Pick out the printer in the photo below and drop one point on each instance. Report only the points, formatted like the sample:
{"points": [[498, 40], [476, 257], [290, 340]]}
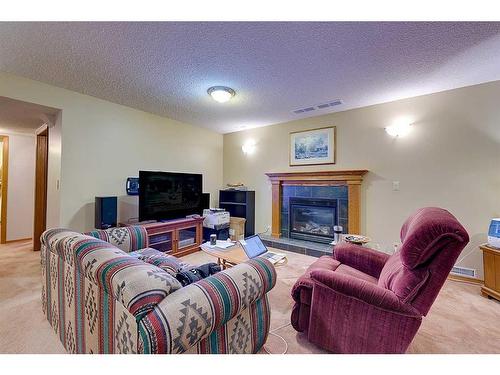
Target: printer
{"points": [[215, 221], [215, 218]]}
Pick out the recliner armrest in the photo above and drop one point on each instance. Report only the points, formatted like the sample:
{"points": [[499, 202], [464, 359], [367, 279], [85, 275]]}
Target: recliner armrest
{"points": [[362, 258], [362, 290]]}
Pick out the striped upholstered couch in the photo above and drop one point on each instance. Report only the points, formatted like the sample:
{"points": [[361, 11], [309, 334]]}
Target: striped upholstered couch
{"points": [[102, 298]]}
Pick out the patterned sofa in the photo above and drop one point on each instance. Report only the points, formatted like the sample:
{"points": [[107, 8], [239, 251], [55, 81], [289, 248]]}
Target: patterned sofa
{"points": [[102, 298]]}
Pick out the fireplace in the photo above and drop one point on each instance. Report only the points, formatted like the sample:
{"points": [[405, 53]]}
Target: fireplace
{"points": [[312, 219]]}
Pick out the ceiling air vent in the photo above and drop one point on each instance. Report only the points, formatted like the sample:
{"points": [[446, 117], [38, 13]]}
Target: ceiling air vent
{"points": [[333, 103], [302, 110]]}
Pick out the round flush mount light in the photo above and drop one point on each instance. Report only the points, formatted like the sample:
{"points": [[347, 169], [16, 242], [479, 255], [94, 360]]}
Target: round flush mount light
{"points": [[221, 94]]}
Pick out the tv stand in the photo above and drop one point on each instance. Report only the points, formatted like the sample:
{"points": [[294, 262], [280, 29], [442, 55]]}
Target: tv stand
{"points": [[177, 237]]}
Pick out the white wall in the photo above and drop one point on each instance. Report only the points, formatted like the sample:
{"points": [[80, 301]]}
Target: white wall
{"points": [[104, 143], [21, 186], [451, 159], [54, 173]]}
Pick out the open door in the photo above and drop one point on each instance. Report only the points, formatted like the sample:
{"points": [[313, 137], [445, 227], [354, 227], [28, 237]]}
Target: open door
{"points": [[42, 157]]}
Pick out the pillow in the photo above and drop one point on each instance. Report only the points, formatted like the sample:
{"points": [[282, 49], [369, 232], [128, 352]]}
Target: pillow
{"points": [[168, 263]]}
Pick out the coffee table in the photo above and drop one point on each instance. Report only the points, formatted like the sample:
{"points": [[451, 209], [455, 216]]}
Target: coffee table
{"points": [[228, 257], [231, 256]]}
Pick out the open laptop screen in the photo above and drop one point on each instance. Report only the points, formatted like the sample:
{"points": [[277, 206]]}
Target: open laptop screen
{"points": [[253, 246]]}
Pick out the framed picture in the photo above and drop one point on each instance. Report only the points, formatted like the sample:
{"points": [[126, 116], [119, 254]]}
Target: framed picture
{"points": [[313, 147]]}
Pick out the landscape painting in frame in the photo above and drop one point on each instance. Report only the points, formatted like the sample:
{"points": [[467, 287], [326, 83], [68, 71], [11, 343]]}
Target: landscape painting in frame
{"points": [[312, 147]]}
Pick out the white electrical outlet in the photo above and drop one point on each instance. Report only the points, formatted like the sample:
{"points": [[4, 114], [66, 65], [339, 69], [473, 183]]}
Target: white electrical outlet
{"points": [[395, 185]]}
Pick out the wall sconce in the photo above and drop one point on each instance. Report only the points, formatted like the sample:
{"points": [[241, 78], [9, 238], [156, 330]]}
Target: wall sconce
{"points": [[399, 128], [248, 147]]}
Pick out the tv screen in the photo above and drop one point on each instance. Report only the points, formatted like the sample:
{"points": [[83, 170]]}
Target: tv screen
{"points": [[167, 195]]}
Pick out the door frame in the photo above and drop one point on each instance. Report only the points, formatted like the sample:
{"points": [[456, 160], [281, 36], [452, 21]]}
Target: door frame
{"points": [[41, 177], [5, 185]]}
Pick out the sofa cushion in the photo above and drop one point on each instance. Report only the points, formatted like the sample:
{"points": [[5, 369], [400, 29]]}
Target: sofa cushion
{"points": [[426, 232], [128, 239], [166, 262], [401, 280]]}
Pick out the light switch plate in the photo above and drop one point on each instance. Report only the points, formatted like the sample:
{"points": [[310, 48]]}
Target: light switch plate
{"points": [[395, 185]]}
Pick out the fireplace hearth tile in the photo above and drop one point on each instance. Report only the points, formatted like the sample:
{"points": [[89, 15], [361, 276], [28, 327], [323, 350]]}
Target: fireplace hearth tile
{"points": [[297, 246], [316, 253]]}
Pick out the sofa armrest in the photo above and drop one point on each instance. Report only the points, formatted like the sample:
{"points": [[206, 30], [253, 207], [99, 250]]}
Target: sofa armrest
{"points": [[192, 313], [130, 238], [362, 258], [362, 290]]}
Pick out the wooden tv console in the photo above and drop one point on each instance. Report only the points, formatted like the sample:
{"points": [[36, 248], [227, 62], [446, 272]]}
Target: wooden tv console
{"points": [[176, 237]]}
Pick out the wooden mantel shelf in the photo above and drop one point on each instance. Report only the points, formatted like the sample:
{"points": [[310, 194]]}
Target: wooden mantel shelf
{"points": [[351, 178], [346, 175]]}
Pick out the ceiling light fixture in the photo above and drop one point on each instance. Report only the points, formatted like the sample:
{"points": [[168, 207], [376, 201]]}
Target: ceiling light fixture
{"points": [[221, 94]]}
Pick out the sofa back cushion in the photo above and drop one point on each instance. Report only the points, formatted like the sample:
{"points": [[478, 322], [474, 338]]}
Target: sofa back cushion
{"points": [[128, 239]]}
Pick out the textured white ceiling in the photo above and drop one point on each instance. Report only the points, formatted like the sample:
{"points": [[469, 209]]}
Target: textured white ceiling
{"points": [[22, 117], [166, 68]]}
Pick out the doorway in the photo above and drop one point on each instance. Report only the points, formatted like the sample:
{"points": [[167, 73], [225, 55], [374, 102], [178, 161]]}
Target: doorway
{"points": [[4, 175], [41, 168]]}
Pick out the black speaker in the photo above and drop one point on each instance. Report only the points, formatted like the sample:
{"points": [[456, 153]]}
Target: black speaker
{"points": [[205, 202], [105, 212]]}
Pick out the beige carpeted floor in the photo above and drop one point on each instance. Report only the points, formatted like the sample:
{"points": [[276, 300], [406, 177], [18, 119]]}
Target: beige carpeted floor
{"points": [[460, 321]]}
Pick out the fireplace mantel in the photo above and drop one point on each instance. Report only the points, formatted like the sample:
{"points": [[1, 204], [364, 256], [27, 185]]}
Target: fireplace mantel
{"points": [[351, 178]]}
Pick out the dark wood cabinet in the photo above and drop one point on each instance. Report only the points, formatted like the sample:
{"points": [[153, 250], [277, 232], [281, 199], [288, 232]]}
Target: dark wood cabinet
{"points": [[240, 203]]}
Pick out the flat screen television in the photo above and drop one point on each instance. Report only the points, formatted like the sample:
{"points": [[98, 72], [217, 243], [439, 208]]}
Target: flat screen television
{"points": [[167, 195]]}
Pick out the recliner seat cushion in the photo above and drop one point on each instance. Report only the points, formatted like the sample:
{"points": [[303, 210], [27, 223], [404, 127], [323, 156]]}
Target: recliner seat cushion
{"points": [[347, 270]]}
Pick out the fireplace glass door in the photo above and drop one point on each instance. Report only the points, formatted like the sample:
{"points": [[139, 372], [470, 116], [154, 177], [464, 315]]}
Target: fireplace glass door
{"points": [[312, 219]]}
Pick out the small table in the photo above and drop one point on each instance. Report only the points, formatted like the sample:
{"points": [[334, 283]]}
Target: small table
{"points": [[491, 262], [228, 257]]}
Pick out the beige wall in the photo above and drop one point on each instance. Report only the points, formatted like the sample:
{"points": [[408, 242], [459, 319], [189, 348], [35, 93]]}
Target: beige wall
{"points": [[451, 159], [21, 186], [104, 143]]}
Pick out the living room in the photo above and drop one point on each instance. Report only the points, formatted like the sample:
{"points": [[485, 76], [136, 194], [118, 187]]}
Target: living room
{"points": [[351, 166]]}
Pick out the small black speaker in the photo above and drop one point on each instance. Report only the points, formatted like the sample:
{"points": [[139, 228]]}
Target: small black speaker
{"points": [[205, 201], [105, 212]]}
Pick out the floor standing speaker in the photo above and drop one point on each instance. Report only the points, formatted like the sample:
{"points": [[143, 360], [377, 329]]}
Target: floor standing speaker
{"points": [[105, 212], [205, 202]]}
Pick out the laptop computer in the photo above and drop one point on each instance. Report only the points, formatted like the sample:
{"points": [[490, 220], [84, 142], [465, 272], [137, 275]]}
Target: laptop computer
{"points": [[254, 247]]}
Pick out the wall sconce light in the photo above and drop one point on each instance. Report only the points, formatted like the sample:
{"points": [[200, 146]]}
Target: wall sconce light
{"points": [[248, 147], [399, 128]]}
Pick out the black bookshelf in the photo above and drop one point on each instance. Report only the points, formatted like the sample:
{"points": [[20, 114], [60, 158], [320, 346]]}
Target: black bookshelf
{"points": [[240, 204]]}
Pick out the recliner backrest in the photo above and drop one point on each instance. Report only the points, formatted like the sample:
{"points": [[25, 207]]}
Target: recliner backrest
{"points": [[432, 239]]}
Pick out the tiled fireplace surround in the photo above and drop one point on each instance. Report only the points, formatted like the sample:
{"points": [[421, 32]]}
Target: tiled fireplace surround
{"points": [[343, 187]]}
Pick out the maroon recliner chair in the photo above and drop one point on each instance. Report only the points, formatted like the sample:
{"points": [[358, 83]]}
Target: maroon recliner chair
{"points": [[364, 301]]}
